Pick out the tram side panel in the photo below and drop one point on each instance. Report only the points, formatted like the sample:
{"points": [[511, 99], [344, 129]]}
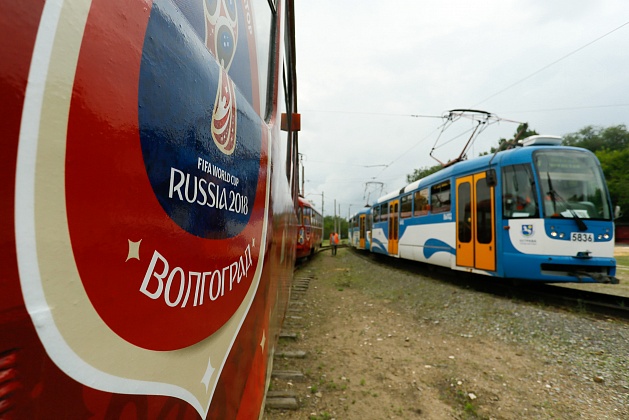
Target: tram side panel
{"points": [[428, 239], [146, 267]]}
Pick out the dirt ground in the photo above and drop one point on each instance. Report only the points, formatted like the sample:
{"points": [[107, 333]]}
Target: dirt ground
{"points": [[384, 343]]}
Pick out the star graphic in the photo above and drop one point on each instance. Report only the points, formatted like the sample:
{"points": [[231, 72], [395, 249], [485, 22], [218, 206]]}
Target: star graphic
{"points": [[134, 250], [208, 375], [263, 340]]}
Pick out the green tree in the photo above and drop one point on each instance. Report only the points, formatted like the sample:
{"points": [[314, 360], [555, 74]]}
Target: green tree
{"points": [[597, 138], [616, 170], [521, 133], [422, 173], [328, 227], [611, 146]]}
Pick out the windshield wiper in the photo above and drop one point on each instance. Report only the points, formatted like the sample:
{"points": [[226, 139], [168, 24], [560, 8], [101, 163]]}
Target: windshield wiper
{"points": [[554, 195]]}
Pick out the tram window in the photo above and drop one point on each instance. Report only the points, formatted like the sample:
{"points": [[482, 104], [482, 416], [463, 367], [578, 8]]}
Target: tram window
{"points": [[376, 214], [307, 215], [440, 197], [384, 212], [421, 202], [263, 25], [484, 233], [406, 206], [571, 184], [519, 199], [464, 217]]}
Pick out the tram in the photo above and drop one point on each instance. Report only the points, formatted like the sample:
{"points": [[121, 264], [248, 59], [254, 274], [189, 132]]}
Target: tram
{"points": [[359, 230], [309, 229], [148, 205], [539, 212]]}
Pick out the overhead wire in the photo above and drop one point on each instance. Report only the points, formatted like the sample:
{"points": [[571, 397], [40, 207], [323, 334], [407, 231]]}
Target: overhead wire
{"points": [[326, 162], [552, 63], [385, 166], [570, 108], [382, 114]]}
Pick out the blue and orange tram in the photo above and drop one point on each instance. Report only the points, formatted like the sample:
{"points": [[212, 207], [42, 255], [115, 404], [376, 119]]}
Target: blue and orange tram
{"points": [[309, 229], [148, 212], [538, 212], [359, 230]]}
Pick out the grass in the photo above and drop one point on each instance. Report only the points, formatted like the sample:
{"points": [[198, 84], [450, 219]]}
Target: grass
{"points": [[322, 416], [457, 398], [622, 260]]}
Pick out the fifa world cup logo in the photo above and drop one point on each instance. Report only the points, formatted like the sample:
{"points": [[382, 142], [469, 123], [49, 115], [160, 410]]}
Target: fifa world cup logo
{"points": [[221, 37]]}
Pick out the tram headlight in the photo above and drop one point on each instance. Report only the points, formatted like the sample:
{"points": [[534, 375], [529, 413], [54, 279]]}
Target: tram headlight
{"points": [[553, 234], [561, 235], [606, 236]]}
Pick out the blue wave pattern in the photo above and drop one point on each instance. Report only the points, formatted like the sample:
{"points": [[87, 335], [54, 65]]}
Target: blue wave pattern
{"points": [[432, 246]]}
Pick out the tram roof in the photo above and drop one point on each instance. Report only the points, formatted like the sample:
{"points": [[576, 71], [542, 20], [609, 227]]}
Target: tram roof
{"points": [[510, 156], [364, 210]]}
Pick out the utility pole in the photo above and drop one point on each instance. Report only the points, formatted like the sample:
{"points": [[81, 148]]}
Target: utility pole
{"points": [[339, 213], [349, 214], [335, 216]]}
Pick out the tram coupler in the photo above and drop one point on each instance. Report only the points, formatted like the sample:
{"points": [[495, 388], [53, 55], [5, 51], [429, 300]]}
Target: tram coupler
{"points": [[597, 277]]}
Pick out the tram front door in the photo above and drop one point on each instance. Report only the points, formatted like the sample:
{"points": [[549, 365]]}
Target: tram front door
{"points": [[475, 227]]}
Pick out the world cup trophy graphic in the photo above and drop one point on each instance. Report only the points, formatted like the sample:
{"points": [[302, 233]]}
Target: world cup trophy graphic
{"points": [[221, 37]]}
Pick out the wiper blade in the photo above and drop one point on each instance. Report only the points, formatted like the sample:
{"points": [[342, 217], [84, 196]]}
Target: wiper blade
{"points": [[554, 195], [552, 192]]}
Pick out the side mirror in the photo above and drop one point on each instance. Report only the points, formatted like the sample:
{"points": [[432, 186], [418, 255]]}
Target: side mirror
{"points": [[617, 212], [490, 178]]}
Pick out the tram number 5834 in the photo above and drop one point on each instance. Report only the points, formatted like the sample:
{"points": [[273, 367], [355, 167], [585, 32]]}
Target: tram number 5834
{"points": [[581, 237]]}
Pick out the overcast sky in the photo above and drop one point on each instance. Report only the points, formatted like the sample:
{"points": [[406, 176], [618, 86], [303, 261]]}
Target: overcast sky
{"points": [[373, 74]]}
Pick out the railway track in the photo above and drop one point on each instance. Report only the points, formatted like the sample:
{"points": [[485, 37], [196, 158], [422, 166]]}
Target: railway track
{"points": [[587, 301], [602, 304]]}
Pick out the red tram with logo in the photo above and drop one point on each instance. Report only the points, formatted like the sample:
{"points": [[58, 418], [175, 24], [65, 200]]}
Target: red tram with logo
{"points": [[148, 205], [309, 229]]}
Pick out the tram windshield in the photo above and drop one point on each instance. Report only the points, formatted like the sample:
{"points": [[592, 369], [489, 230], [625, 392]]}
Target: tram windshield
{"points": [[572, 185]]}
